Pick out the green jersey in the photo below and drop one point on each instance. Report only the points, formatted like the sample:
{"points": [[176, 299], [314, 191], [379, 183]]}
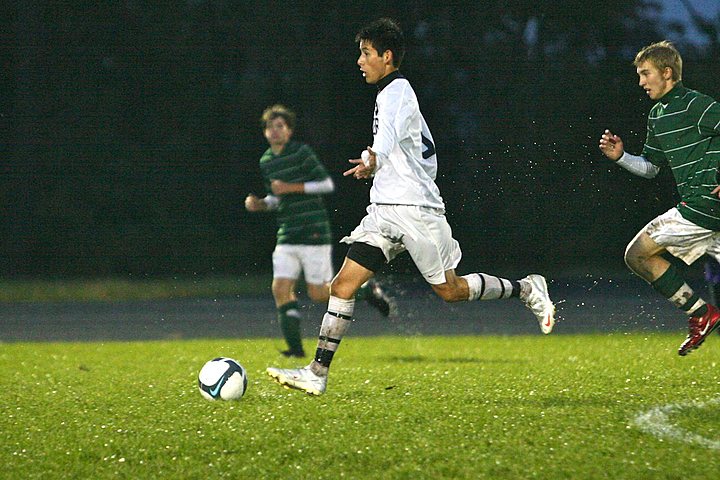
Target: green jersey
{"points": [[684, 134], [302, 219]]}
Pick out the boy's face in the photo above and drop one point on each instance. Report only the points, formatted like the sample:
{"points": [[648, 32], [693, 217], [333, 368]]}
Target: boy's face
{"points": [[277, 132], [654, 81], [373, 65]]}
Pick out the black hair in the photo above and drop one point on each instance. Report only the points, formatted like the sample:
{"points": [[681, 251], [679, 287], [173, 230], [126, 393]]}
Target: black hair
{"points": [[384, 34]]}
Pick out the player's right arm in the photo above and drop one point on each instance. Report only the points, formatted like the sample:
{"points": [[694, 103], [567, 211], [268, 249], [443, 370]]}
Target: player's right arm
{"points": [[254, 203], [612, 147]]}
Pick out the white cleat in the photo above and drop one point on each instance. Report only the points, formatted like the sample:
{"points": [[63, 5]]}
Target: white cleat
{"points": [[299, 378], [538, 301]]}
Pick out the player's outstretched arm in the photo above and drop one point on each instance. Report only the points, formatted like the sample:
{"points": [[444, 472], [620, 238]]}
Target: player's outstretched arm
{"points": [[611, 146]]}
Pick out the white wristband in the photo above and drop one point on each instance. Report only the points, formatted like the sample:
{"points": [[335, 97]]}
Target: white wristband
{"points": [[271, 201], [638, 165], [319, 186]]}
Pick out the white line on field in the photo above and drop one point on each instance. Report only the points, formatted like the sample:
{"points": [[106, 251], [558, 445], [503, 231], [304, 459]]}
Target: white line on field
{"points": [[657, 422]]}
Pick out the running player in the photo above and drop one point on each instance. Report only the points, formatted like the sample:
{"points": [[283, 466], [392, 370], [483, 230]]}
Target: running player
{"points": [[296, 181], [406, 213], [683, 133]]}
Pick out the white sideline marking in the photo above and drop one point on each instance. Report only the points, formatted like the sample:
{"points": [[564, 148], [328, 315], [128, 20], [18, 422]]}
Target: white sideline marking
{"points": [[657, 422]]}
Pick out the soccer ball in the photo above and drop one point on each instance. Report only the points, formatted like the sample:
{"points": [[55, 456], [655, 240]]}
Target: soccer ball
{"points": [[222, 379]]}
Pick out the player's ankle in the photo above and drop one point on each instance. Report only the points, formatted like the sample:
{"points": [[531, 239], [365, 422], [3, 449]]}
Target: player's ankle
{"points": [[318, 369]]}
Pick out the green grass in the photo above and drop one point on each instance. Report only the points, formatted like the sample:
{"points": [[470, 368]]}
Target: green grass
{"points": [[112, 289], [397, 407]]}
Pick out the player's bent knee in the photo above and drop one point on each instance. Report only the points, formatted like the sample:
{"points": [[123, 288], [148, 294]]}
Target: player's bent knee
{"points": [[342, 289], [634, 258], [280, 291]]}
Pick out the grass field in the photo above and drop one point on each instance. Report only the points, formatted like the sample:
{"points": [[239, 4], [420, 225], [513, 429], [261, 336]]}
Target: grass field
{"points": [[581, 407]]}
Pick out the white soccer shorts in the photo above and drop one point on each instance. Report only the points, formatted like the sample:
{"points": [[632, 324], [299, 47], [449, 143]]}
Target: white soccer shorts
{"points": [[314, 260], [422, 231], [683, 238]]}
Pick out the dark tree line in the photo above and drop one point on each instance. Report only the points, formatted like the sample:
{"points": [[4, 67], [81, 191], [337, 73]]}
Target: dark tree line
{"points": [[131, 131]]}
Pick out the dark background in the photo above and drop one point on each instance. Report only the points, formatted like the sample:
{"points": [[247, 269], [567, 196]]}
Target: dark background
{"points": [[131, 135]]}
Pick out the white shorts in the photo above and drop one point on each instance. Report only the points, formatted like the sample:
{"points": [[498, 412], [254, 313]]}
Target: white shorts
{"points": [[422, 231], [683, 238], [314, 260]]}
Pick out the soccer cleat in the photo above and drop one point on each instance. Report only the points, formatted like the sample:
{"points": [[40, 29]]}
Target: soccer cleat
{"points": [[700, 328], [379, 299], [293, 353], [538, 301], [300, 379]]}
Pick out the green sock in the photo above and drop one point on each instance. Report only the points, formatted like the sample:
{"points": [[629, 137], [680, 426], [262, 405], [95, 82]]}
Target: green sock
{"points": [[672, 286], [289, 317]]}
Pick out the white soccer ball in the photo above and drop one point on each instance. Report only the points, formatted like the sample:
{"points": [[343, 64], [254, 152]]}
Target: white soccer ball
{"points": [[222, 379]]}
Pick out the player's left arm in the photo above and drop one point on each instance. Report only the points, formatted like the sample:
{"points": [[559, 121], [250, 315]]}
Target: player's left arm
{"points": [[321, 183], [708, 123], [708, 114], [317, 187]]}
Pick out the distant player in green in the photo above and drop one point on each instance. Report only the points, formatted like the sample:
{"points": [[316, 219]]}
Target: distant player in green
{"points": [[295, 181], [683, 133]]}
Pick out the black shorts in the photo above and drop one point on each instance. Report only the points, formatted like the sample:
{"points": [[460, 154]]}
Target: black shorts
{"points": [[366, 255]]}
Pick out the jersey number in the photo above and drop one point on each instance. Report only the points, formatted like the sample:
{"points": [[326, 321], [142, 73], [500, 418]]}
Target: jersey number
{"points": [[430, 150]]}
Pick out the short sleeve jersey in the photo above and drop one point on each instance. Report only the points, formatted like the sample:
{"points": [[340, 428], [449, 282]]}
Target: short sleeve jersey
{"points": [[683, 134], [302, 219]]}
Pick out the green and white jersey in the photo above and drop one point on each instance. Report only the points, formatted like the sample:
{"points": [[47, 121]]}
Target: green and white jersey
{"points": [[302, 218], [684, 134]]}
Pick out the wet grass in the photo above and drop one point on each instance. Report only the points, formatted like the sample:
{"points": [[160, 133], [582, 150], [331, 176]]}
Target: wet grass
{"points": [[396, 407]]}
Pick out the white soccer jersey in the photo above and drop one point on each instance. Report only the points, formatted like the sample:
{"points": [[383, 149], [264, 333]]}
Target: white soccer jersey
{"points": [[404, 148]]}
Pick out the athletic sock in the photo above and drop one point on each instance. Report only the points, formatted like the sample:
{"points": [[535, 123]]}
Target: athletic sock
{"points": [[334, 325], [487, 287], [672, 286], [289, 317]]}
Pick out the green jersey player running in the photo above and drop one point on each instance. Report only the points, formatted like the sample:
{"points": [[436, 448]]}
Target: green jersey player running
{"points": [[406, 213], [295, 181], [683, 133]]}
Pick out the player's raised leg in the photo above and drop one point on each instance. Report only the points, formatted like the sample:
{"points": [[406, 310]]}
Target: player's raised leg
{"points": [[531, 290]]}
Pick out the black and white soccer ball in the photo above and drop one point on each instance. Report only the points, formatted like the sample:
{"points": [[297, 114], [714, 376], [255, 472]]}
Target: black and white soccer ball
{"points": [[222, 379]]}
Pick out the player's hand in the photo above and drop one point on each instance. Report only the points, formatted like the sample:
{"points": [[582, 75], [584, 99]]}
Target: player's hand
{"points": [[611, 145], [716, 191], [360, 170], [254, 204]]}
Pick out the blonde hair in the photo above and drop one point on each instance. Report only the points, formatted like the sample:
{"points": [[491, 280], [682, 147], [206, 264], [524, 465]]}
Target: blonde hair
{"points": [[275, 111], [663, 55]]}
